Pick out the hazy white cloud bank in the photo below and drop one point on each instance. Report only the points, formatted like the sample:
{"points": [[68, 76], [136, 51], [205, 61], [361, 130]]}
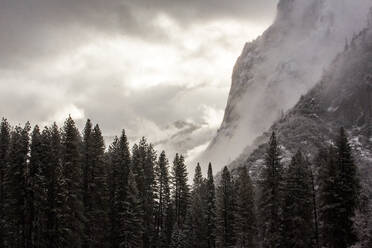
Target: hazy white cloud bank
{"points": [[152, 68]]}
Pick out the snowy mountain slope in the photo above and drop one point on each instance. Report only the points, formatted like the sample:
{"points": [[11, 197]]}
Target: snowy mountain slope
{"points": [[285, 62], [342, 98]]}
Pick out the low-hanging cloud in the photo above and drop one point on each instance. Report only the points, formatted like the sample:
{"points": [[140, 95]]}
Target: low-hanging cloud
{"points": [[157, 68]]}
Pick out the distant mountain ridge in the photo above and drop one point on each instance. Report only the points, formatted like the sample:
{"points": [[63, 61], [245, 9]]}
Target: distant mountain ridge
{"points": [[276, 69]]}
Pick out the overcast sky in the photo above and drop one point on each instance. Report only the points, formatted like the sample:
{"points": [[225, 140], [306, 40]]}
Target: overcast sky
{"points": [[158, 68]]}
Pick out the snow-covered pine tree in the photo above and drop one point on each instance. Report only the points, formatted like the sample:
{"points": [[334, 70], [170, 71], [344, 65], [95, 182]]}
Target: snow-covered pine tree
{"points": [[225, 220], [271, 184], [245, 217], [297, 223], [4, 146]]}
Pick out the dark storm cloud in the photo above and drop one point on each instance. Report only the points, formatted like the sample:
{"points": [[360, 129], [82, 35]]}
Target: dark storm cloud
{"points": [[32, 29]]}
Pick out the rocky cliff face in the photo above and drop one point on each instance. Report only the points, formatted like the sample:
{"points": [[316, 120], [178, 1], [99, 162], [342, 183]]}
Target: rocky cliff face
{"points": [[342, 98], [276, 69]]}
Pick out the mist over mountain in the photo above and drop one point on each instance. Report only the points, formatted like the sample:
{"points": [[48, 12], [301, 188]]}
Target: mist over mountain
{"points": [[342, 98], [276, 69]]}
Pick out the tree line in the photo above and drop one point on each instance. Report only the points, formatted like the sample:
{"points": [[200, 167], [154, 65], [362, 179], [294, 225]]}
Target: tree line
{"points": [[60, 188]]}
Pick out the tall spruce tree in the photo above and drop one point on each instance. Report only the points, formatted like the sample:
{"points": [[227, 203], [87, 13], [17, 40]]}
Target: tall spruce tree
{"points": [[51, 172], [98, 217], [339, 195], [131, 218], [363, 216], [87, 180], [143, 163], [225, 221], [36, 195], [181, 191], [349, 188], [314, 195], [163, 211], [99, 190], [71, 216], [197, 225], [94, 186], [329, 198], [211, 209], [16, 186], [271, 196], [149, 196], [245, 220], [297, 227], [120, 162], [4, 147]]}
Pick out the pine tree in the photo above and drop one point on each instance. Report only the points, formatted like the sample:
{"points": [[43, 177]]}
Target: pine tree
{"points": [[349, 189], [225, 220], [16, 186], [297, 227], [87, 168], [51, 171], [363, 217], [143, 163], [149, 196], [181, 191], [271, 196], [119, 166], [4, 147], [211, 209], [245, 220], [132, 217], [36, 193], [99, 189], [329, 199], [94, 186], [315, 205], [339, 195], [163, 207], [71, 216], [198, 211]]}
